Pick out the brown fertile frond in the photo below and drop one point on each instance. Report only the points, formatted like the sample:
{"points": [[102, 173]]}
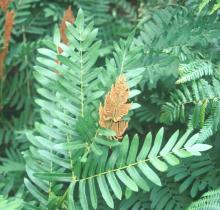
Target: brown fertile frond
{"points": [[68, 16], [119, 127], [4, 4], [2, 58], [115, 108], [9, 21]]}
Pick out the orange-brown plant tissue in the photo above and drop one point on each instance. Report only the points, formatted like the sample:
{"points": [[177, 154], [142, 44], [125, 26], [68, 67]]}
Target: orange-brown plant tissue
{"points": [[4, 4], [68, 16], [9, 21], [115, 108]]}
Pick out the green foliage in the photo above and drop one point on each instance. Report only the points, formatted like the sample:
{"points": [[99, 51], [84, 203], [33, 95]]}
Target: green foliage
{"points": [[196, 99], [197, 174], [9, 204], [53, 153], [209, 201], [84, 157]]}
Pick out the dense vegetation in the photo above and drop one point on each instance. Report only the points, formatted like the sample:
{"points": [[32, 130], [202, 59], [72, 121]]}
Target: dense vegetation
{"points": [[109, 104]]}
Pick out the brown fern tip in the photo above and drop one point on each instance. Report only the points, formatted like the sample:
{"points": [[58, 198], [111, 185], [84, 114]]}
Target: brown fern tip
{"points": [[115, 108], [68, 16], [4, 4], [9, 21]]}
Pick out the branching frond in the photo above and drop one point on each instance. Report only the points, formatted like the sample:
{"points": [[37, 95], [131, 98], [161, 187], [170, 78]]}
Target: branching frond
{"points": [[197, 174], [167, 197], [209, 201], [123, 165], [69, 152], [197, 93], [194, 70], [167, 37], [152, 65], [137, 200]]}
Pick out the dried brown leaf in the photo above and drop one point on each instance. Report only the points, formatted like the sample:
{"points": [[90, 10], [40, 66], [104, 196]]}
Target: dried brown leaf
{"points": [[2, 58], [4, 4], [68, 16], [115, 108], [9, 21]]}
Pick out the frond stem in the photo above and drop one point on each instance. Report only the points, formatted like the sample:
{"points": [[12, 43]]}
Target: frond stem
{"points": [[124, 167]]}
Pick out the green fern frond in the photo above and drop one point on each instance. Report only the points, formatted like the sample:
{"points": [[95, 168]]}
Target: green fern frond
{"points": [[163, 197], [198, 93], [167, 197], [12, 203], [68, 160], [13, 162], [194, 70], [209, 201], [171, 33], [137, 200], [211, 125], [124, 165], [181, 34], [196, 174]]}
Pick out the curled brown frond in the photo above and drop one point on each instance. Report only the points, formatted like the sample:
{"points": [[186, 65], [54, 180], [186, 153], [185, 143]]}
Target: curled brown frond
{"points": [[2, 58], [68, 16], [9, 21], [4, 4], [115, 108]]}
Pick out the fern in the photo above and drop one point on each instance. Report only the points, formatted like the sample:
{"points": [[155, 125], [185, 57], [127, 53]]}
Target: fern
{"points": [[193, 71], [28, 20], [197, 175], [10, 204], [168, 197], [85, 159], [136, 200], [169, 35], [209, 201], [199, 93], [57, 147], [196, 96]]}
